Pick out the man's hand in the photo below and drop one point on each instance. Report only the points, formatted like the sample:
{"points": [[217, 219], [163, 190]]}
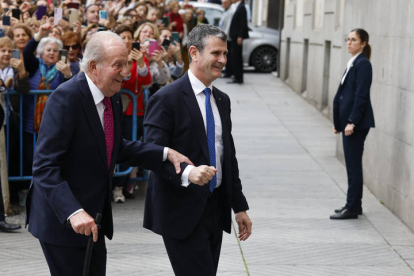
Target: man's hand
{"points": [[349, 129], [245, 225], [177, 158], [240, 40], [82, 223], [202, 174], [334, 130]]}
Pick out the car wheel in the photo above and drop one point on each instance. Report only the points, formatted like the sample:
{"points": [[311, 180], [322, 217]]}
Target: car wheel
{"points": [[264, 59]]}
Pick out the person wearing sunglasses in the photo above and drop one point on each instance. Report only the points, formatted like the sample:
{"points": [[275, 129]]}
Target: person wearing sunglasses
{"points": [[72, 43]]}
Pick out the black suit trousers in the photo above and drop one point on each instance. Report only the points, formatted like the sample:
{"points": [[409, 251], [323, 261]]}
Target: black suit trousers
{"points": [[237, 59], [199, 253], [69, 261], [353, 150], [229, 65]]}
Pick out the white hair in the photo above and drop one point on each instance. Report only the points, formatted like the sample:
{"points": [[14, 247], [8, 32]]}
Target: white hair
{"points": [[47, 40], [95, 48]]}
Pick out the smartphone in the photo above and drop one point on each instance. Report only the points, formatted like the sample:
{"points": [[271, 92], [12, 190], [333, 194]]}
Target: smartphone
{"points": [[103, 15], [175, 37], [41, 11], [63, 55], [153, 46], [57, 15], [101, 29], [73, 17], [6, 20], [135, 45], [16, 54], [166, 21], [166, 43], [16, 13], [73, 5]]}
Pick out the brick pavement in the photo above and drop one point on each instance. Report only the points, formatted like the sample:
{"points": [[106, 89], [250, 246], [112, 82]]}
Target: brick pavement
{"points": [[292, 180]]}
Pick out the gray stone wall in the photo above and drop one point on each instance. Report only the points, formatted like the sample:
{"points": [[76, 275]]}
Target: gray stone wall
{"points": [[389, 151]]}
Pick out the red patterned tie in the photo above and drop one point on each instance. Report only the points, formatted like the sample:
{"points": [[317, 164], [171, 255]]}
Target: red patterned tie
{"points": [[109, 129]]}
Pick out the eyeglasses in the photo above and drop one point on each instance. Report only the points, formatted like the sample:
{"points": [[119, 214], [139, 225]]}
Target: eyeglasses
{"points": [[74, 47], [352, 40]]}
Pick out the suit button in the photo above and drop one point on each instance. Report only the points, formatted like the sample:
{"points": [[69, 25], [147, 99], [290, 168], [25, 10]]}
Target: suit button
{"points": [[340, 98]]}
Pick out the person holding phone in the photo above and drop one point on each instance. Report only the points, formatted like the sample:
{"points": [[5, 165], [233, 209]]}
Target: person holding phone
{"points": [[72, 43], [353, 117], [45, 72], [176, 21], [20, 34], [139, 76], [158, 68], [173, 59], [13, 75]]}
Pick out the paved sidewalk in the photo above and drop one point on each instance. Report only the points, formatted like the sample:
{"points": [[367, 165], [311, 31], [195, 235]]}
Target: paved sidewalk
{"points": [[293, 182]]}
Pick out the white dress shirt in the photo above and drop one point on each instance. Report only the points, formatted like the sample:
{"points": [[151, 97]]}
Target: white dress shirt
{"points": [[348, 66], [198, 88]]}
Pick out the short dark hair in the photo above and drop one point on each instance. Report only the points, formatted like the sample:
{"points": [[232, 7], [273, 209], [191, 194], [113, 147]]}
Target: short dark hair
{"points": [[123, 28], [197, 37]]}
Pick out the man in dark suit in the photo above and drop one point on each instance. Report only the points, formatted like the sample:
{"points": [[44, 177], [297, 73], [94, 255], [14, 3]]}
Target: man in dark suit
{"points": [[78, 146], [238, 32], [191, 211]]}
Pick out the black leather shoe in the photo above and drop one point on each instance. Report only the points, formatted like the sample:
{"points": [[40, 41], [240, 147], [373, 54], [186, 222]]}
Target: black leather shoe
{"points": [[5, 227], [345, 214], [235, 81], [343, 208]]}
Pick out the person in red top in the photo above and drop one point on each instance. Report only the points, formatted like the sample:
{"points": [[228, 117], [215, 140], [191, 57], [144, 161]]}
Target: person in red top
{"points": [[176, 21], [139, 76]]}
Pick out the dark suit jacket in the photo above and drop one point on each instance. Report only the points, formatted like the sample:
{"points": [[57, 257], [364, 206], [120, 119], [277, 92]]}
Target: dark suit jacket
{"points": [[70, 168], [352, 100], [173, 118], [238, 26]]}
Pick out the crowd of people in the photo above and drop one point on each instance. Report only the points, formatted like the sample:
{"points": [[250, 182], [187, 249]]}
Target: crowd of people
{"points": [[155, 33]]}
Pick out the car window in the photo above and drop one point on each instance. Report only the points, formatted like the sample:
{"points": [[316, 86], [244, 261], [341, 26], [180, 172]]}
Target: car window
{"points": [[213, 15]]}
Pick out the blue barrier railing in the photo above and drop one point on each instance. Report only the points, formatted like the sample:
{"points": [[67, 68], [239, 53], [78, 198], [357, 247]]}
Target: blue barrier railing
{"points": [[35, 93]]}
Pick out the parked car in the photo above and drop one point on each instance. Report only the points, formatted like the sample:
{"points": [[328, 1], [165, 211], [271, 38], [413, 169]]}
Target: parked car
{"points": [[260, 50]]}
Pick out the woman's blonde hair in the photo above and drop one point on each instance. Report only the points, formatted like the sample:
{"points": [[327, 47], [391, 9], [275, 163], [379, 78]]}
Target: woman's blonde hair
{"points": [[154, 28]]}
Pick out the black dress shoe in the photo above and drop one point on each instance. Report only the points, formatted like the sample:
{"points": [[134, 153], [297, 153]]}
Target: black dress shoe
{"points": [[5, 227], [345, 214], [343, 208], [235, 81]]}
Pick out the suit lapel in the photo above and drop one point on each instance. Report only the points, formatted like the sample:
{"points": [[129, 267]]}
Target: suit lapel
{"points": [[192, 105], [221, 109], [92, 117]]}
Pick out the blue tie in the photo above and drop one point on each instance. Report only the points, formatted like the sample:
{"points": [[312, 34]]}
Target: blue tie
{"points": [[210, 136]]}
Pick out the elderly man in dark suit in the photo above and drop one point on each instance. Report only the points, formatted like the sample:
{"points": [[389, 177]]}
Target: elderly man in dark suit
{"points": [[78, 147], [238, 32], [191, 211]]}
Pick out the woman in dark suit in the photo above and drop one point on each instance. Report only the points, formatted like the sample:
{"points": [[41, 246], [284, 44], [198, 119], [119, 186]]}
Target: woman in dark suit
{"points": [[353, 116]]}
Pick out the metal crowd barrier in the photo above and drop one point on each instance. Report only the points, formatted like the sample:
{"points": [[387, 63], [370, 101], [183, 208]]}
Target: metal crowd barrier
{"points": [[35, 93]]}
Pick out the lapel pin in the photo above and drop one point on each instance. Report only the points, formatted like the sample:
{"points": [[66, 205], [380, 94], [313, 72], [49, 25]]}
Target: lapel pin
{"points": [[352, 65], [117, 102], [219, 99]]}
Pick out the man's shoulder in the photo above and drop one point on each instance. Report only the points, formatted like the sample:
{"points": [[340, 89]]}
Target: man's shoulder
{"points": [[171, 90], [69, 88]]}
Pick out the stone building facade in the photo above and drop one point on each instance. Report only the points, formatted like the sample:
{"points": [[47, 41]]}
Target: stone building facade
{"points": [[313, 60]]}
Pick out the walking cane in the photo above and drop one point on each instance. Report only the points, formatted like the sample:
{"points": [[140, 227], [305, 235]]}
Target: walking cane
{"points": [[90, 247]]}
